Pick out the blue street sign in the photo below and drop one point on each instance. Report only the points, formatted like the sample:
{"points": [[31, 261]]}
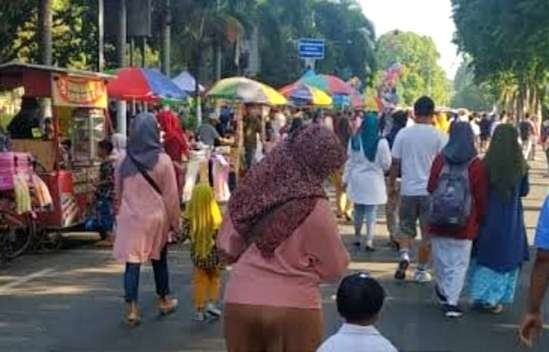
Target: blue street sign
{"points": [[311, 48]]}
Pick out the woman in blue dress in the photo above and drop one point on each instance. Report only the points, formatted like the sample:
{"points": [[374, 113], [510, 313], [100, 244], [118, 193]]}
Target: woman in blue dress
{"points": [[502, 245]]}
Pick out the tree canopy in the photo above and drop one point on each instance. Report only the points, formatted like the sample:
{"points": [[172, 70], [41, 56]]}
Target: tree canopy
{"points": [[506, 40]]}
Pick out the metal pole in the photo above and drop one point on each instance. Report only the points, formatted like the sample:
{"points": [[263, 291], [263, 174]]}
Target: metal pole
{"points": [[46, 19], [100, 36], [166, 38], [121, 61]]}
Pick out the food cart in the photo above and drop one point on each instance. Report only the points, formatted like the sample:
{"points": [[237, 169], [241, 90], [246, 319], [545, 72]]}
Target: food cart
{"points": [[67, 158]]}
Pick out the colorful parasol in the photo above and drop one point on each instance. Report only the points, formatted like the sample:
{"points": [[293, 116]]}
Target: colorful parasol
{"points": [[247, 91], [134, 83], [304, 95], [327, 83]]}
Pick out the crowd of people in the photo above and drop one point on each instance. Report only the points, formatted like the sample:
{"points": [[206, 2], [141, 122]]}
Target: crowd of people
{"points": [[281, 239]]}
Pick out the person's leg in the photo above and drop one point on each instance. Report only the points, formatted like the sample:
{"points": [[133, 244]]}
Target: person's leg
{"points": [[547, 156], [131, 282], [200, 282], [439, 265], [161, 275], [214, 286], [459, 255], [408, 214], [166, 305], [424, 253], [131, 288], [360, 212], [371, 218], [390, 210]]}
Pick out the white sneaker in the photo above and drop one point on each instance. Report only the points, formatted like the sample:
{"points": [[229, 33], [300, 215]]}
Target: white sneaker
{"points": [[422, 276], [213, 310], [199, 316]]}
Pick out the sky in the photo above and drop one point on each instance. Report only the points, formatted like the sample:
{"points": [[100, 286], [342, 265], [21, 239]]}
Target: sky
{"points": [[425, 17]]}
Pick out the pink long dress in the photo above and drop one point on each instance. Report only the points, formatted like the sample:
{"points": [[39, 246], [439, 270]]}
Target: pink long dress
{"points": [[145, 217]]}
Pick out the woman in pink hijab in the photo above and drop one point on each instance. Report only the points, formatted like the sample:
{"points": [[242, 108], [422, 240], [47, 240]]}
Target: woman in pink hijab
{"points": [[282, 242]]}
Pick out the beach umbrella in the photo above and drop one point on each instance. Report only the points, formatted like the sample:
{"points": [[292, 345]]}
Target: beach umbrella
{"points": [[187, 83], [304, 95], [143, 84], [330, 84], [246, 90]]}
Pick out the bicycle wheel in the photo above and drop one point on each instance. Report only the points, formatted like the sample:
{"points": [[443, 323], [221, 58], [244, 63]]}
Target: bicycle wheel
{"points": [[16, 232]]}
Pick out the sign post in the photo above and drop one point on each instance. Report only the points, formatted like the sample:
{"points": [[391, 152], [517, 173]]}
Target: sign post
{"points": [[311, 50]]}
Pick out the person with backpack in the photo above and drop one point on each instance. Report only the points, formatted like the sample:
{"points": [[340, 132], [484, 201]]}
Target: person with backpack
{"points": [[501, 246], [526, 131], [457, 186]]}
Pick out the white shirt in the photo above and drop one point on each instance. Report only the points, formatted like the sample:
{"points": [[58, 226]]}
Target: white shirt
{"points": [[476, 128], [417, 147], [365, 179], [356, 338]]}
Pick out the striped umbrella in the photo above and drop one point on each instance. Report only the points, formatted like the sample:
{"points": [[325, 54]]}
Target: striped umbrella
{"points": [[246, 90], [327, 83], [134, 83], [304, 95]]}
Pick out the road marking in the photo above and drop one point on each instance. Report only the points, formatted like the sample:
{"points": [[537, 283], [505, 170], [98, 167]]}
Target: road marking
{"points": [[22, 280]]}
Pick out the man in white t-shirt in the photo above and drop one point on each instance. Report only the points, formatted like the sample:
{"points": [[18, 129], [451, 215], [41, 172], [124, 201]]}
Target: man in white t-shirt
{"points": [[414, 150]]}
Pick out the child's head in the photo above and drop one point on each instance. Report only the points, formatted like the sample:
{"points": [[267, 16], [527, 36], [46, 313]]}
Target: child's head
{"points": [[360, 299]]}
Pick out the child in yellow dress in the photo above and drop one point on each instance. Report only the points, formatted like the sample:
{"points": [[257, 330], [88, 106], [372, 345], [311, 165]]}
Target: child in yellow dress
{"points": [[203, 218]]}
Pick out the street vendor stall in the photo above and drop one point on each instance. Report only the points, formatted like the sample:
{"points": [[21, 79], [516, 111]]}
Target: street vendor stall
{"points": [[63, 144], [235, 91]]}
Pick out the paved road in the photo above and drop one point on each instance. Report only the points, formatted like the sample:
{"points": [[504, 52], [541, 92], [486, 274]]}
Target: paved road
{"points": [[71, 301]]}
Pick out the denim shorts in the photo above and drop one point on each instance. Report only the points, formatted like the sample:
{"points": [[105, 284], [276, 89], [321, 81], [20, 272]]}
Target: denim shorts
{"points": [[412, 209]]}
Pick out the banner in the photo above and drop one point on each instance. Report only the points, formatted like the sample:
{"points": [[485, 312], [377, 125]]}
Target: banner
{"points": [[79, 92]]}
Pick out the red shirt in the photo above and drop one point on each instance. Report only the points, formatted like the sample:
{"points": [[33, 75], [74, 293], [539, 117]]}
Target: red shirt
{"points": [[479, 191]]}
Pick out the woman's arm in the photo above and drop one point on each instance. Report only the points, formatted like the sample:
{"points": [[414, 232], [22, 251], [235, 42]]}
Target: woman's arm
{"points": [[323, 243], [384, 158], [170, 194], [229, 242]]}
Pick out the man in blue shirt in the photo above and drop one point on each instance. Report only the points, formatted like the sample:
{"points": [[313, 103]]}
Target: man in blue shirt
{"points": [[532, 323]]}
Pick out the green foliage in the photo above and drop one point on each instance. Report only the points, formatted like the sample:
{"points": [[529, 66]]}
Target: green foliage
{"points": [[421, 73], [468, 94], [507, 41]]}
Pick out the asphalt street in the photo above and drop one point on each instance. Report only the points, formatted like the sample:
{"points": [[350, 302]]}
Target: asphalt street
{"points": [[71, 300]]}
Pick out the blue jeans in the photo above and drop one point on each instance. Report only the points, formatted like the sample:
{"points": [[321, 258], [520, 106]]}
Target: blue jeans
{"points": [[161, 277], [368, 212]]}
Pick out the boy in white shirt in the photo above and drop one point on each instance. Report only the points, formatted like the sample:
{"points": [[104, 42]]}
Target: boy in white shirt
{"points": [[359, 301]]}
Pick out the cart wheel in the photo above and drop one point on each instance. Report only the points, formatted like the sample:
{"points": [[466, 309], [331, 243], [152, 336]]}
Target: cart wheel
{"points": [[16, 233]]}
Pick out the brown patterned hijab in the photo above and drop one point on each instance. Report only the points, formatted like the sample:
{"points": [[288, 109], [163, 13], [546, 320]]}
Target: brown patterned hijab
{"points": [[278, 194]]}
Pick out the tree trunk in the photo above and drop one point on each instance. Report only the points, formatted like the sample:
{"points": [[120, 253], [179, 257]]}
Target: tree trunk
{"points": [[121, 37], [46, 24], [166, 38]]}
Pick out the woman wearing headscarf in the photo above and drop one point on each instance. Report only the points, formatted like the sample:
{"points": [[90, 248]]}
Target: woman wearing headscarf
{"points": [[452, 245], [148, 211], [176, 144], [282, 243], [501, 246], [369, 157]]}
